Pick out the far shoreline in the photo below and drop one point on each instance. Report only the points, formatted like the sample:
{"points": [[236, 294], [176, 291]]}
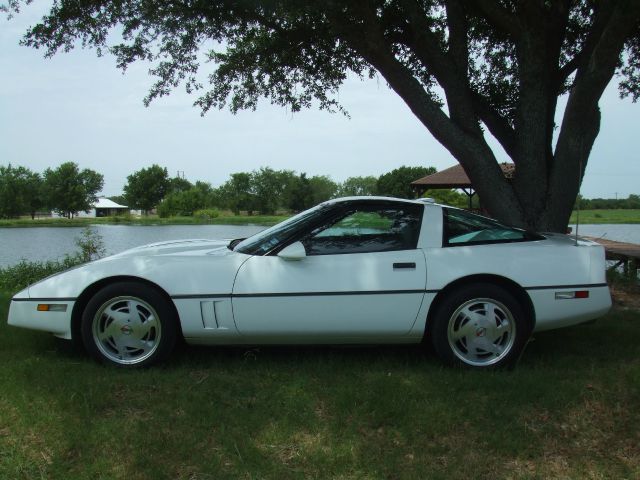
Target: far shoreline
{"points": [[587, 217]]}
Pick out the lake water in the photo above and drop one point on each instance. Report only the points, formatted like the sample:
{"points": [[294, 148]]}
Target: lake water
{"points": [[50, 243]]}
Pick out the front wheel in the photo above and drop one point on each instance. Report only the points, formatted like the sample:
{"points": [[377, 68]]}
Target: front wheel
{"points": [[129, 324], [480, 326]]}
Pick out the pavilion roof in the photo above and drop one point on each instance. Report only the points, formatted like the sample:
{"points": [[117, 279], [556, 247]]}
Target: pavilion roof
{"points": [[454, 177]]}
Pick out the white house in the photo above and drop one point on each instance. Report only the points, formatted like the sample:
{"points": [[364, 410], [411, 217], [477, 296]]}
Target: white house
{"points": [[102, 208]]}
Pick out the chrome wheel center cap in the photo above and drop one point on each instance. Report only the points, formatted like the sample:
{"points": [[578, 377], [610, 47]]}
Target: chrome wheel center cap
{"points": [[126, 330], [481, 332]]}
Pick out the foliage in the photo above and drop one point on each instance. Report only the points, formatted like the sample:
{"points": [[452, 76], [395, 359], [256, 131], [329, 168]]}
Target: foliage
{"points": [[119, 199], [147, 187], [448, 197], [465, 69], [17, 277], [322, 189], [179, 184], [236, 193], [69, 190], [21, 191], [397, 183], [182, 203], [631, 202], [90, 245], [207, 213], [269, 187], [298, 193], [356, 186]]}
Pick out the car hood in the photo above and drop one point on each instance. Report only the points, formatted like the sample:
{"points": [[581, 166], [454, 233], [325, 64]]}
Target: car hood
{"points": [[177, 247], [186, 267]]}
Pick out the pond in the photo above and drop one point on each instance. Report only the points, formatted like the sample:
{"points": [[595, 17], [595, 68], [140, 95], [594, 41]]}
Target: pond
{"points": [[50, 243]]}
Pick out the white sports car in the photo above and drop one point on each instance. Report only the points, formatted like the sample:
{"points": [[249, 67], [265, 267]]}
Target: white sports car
{"points": [[351, 270]]}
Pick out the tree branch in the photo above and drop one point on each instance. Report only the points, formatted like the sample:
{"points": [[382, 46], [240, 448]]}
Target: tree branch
{"points": [[469, 149], [499, 17], [496, 123], [581, 120]]}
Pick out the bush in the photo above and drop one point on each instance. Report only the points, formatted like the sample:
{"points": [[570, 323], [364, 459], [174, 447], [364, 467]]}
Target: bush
{"points": [[17, 277], [207, 213]]}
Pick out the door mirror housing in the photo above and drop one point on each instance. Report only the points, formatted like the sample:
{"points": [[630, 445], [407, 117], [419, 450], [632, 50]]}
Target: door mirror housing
{"points": [[295, 251]]}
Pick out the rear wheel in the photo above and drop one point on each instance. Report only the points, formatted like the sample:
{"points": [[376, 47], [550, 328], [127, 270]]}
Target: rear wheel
{"points": [[480, 326], [129, 324]]}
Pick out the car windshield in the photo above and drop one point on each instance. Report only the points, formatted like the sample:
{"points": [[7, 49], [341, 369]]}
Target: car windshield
{"points": [[266, 240]]}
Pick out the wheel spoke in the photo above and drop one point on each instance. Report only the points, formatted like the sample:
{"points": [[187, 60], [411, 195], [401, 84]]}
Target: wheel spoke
{"points": [[117, 314], [498, 332], [467, 330], [146, 327], [488, 346]]}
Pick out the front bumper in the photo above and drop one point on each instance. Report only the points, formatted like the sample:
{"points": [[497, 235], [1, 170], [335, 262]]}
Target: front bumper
{"points": [[24, 313]]}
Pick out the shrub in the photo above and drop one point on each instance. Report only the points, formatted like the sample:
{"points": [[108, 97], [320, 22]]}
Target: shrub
{"points": [[207, 213]]}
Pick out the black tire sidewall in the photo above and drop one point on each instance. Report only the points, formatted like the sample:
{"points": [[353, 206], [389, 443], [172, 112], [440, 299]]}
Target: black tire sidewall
{"points": [[166, 317], [438, 331]]}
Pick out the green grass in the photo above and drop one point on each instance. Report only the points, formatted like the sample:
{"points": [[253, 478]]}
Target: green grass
{"points": [[150, 220], [569, 410], [606, 216]]}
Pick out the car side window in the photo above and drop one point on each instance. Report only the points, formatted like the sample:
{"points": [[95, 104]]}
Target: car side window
{"points": [[465, 228], [367, 229]]}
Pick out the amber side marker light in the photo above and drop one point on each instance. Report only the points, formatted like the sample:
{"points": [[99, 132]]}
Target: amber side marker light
{"points": [[570, 295], [51, 307]]}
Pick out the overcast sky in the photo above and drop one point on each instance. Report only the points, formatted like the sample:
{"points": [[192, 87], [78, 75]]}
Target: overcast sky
{"points": [[77, 107]]}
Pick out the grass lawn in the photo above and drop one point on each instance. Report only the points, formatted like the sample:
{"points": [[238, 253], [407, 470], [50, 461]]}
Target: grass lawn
{"points": [[607, 216], [569, 410]]}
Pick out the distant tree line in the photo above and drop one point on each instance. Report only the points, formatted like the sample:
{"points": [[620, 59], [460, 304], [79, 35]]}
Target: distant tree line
{"points": [[69, 190], [66, 190], [264, 191], [631, 202]]}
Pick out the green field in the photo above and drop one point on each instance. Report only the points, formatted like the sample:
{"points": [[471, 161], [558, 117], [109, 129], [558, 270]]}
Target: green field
{"points": [[607, 216], [569, 410]]}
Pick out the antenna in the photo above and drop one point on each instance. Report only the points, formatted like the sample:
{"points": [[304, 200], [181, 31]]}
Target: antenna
{"points": [[578, 202]]}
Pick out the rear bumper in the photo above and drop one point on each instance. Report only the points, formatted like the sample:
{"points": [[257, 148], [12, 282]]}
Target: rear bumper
{"points": [[554, 313], [24, 313]]}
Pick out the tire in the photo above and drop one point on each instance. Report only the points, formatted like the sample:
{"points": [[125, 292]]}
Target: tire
{"points": [[480, 326], [113, 335]]}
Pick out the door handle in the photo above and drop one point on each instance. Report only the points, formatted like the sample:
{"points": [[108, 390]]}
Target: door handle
{"points": [[404, 265]]}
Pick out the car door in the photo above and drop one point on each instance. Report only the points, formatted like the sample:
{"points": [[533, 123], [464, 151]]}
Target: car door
{"points": [[360, 275]]}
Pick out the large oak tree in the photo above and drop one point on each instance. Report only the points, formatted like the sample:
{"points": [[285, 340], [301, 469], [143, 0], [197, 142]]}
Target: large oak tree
{"points": [[462, 67]]}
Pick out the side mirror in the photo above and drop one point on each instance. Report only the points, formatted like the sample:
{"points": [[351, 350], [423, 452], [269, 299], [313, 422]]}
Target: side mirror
{"points": [[295, 251]]}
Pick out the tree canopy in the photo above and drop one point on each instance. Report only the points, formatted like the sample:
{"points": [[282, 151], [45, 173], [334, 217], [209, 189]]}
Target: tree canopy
{"points": [[147, 187], [464, 68], [20, 191], [69, 190], [397, 182]]}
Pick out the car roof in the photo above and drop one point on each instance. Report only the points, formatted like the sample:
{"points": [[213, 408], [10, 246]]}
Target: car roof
{"points": [[373, 198]]}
